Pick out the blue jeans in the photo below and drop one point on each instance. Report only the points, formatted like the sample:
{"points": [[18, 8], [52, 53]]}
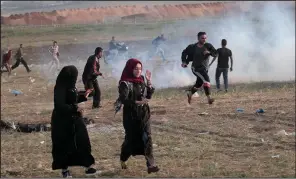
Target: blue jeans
{"points": [[225, 77]]}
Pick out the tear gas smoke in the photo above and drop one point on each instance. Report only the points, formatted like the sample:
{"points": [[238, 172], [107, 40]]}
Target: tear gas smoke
{"points": [[262, 43]]}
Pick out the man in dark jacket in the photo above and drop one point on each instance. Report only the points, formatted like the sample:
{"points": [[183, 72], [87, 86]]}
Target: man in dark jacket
{"points": [[89, 77], [199, 53], [20, 59]]}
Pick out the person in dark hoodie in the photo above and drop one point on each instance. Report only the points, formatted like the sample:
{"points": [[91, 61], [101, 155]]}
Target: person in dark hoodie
{"points": [[89, 77], [136, 114], [70, 141], [199, 53]]}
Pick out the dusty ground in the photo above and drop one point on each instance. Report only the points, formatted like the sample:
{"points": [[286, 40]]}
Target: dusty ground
{"points": [[223, 143]]}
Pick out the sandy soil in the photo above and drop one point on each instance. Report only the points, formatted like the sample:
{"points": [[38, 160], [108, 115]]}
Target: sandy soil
{"points": [[189, 141], [186, 143]]}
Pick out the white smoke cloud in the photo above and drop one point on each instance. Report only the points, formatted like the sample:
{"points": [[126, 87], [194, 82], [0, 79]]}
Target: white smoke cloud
{"points": [[262, 43]]}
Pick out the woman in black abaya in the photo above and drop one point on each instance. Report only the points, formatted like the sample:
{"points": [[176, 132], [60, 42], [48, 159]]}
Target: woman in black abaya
{"points": [[136, 114], [70, 141]]}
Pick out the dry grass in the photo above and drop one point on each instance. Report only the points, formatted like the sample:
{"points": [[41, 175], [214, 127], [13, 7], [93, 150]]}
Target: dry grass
{"points": [[236, 145]]}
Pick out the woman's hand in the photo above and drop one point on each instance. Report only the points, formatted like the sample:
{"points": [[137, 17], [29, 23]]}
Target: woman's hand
{"points": [[144, 101], [148, 78], [148, 75]]}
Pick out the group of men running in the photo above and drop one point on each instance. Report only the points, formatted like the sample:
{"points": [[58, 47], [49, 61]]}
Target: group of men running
{"points": [[198, 53], [19, 56], [19, 59]]}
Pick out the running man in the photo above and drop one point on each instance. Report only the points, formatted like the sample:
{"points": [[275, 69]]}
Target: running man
{"points": [[157, 42], [199, 53], [54, 51], [223, 65], [20, 59]]}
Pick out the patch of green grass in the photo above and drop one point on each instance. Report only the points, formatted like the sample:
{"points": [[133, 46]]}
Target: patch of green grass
{"points": [[81, 29]]}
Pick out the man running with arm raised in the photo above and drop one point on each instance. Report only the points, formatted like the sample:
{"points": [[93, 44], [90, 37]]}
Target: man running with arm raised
{"points": [[199, 53]]}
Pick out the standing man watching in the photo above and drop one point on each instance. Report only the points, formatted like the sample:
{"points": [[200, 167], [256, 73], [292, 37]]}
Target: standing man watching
{"points": [[223, 65]]}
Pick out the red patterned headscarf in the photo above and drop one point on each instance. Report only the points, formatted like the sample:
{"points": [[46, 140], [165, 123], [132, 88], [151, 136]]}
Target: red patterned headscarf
{"points": [[127, 73]]}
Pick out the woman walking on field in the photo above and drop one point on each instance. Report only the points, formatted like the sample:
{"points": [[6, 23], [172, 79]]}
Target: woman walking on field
{"points": [[70, 141], [136, 114]]}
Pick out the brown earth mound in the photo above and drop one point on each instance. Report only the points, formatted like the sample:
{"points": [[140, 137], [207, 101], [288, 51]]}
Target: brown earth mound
{"points": [[97, 15]]}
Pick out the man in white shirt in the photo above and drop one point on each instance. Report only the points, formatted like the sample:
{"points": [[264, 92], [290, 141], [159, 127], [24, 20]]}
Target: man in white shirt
{"points": [[54, 50]]}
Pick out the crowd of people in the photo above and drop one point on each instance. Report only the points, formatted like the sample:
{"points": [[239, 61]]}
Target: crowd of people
{"points": [[70, 141]]}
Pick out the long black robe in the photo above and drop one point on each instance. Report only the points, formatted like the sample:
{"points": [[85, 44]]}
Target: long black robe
{"points": [[70, 141], [136, 122]]}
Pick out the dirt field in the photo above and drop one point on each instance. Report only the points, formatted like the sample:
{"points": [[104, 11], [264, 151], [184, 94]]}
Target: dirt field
{"points": [[223, 143], [189, 141]]}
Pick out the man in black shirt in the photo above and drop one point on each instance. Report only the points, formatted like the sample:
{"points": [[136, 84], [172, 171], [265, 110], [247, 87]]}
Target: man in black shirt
{"points": [[89, 77], [222, 67], [199, 53]]}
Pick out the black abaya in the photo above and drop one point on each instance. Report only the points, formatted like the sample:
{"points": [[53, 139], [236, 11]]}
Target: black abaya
{"points": [[70, 141], [136, 122]]}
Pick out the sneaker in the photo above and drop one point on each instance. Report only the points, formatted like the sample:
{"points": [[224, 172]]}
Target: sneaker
{"points": [[66, 174], [226, 91], [90, 171], [153, 169], [189, 96], [123, 165]]}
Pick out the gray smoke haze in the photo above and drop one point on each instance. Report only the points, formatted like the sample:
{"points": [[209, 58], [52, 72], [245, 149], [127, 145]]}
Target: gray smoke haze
{"points": [[262, 42]]}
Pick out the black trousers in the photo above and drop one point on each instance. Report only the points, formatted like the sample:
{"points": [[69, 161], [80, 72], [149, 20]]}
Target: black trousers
{"points": [[202, 79], [18, 61], [96, 91]]}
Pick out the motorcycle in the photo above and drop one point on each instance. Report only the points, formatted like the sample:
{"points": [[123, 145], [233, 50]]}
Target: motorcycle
{"points": [[122, 53]]}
